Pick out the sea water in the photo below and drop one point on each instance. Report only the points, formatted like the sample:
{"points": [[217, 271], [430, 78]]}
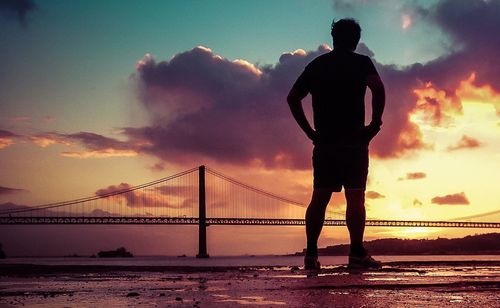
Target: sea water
{"points": [[231, 261]]}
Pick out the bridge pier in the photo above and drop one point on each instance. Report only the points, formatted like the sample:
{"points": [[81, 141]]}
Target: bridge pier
{"points": [[202, 215]]}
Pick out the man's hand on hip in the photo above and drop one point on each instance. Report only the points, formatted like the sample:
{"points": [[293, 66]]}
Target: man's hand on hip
{"points": [[372, 129]]}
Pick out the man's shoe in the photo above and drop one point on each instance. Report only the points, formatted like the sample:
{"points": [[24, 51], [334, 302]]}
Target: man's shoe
{"points": [[311, 263], [363, 262]]}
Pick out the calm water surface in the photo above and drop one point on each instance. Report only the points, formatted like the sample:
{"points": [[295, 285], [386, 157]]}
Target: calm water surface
{"points": [[229, 261]]}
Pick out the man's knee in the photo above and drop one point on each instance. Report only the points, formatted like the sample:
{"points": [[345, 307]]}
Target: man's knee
{"points": [[320, 197], [355, 197]]}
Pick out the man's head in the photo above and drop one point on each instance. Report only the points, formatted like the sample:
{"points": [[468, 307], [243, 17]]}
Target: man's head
{"points": [[346, 33]]}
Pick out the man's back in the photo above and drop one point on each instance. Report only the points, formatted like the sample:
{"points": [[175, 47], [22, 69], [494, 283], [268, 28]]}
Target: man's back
{"points": [[337, 83]]}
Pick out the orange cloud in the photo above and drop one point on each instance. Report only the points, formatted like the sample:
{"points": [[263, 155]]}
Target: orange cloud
{"points": [[104, 153], [435, 106], [6, 138], [405, 21], [96, 146], [469, 91], [458, 198], [465, 143], [373, 195], [44, 140], [413, 176]]}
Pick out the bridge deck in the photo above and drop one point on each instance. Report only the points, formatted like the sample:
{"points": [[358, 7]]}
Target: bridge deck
{"points": [[5, 220]]}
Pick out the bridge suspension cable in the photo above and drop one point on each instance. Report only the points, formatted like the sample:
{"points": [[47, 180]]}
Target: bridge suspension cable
{"points": [[174, 200]]}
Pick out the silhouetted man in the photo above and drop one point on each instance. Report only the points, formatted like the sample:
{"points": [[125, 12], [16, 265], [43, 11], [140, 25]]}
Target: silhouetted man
{"points": [[337, 82]]}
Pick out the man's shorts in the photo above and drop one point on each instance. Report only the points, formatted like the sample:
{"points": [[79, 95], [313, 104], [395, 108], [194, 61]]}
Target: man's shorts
{"points": [[336, 166]]}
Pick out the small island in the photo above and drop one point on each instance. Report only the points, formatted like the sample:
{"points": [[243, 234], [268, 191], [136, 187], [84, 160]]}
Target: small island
{"points": [[118, 253]]}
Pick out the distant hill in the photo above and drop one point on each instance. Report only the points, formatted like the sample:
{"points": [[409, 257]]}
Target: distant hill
{"points": [[484, 244]]}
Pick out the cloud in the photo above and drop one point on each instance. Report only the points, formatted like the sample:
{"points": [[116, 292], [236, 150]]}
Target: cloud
{"points": [[465, 142], [8, 190], [458, 198], [7, 138], [204, 107], [138, 198], [17, 9], [174, 190], [414, 176], [95, 145], [124, 192], [373, 195]]}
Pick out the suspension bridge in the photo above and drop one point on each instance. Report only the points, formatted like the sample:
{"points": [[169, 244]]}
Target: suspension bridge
{"points": [[199, 196]]}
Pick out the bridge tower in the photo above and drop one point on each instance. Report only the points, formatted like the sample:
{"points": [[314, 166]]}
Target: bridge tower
{"points": [[202, 215]]}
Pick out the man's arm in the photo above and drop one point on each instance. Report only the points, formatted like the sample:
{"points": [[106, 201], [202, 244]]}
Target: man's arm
{"points": [[378, 98], [294, 100], [378, 103]]}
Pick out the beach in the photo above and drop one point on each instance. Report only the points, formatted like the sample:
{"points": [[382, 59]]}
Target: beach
{"points": [[118, 283]]}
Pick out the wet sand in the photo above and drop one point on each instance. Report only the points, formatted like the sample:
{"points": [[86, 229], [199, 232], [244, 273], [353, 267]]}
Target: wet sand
{"points": [[397, 284]]}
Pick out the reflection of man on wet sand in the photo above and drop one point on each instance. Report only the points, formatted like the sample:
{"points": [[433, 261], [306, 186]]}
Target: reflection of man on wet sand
{"points": [[337, 82]]}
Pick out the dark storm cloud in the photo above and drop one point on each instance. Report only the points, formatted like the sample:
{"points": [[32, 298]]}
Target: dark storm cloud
{"points": [[17, 9]]}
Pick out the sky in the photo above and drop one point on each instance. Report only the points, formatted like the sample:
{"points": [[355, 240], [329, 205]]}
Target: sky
{"points": [[98, 93]]}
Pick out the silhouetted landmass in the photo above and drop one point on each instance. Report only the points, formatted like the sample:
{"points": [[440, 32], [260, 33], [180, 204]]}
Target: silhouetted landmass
{"points": [[74, 256], [118, 253], [2, 253], [484, 244]]}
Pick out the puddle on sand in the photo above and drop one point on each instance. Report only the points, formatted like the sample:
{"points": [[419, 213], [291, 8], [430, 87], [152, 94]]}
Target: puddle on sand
{"points": [[247, 300], [291, 276], [385, 279], [456, 299], [339, 292]]}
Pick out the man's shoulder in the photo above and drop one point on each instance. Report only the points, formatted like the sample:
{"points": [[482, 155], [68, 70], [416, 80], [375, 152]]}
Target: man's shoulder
{"points": [[332, 56], [321, 59]]}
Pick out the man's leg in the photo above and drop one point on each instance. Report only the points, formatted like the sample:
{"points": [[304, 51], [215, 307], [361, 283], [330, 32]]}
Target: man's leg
{"points": [[355, 219], [315, 216]]}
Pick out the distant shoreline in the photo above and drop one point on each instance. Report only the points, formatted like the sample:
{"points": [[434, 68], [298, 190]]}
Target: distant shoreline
{"points": [[482, 244]]}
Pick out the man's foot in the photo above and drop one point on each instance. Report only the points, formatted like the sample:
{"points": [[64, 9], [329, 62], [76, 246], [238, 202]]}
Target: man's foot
{"points": [[311, 263], [365, 261]]}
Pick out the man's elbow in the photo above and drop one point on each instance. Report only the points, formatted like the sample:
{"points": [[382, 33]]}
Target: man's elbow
{"points": [[292, 100], [379, 91]]}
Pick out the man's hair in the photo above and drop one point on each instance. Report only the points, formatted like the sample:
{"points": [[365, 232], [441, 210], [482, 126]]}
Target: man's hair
{"points": [[346, 33]]}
